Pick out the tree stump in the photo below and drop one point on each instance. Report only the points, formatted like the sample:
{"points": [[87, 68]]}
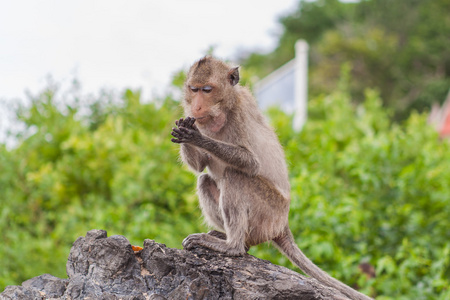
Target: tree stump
{"points": [[101, 267]]}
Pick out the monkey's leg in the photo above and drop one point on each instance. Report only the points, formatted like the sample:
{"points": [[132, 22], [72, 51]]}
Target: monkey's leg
{"points": [[209, 202], [208, 195], [234, 216]]}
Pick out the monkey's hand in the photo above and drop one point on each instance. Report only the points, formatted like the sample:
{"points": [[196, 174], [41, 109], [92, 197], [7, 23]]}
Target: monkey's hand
{"points": [[187, 123], [186, 132]]}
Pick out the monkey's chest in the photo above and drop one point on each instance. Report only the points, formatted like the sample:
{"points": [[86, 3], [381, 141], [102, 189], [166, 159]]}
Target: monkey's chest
{"points": [[216, 168]]}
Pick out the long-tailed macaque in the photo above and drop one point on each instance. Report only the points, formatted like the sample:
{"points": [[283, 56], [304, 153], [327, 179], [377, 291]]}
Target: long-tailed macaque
{"points": [[245, 193]]}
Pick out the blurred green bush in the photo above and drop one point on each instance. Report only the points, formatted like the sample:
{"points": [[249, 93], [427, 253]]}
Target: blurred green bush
{"points": [[114, 169], [364, 190]]}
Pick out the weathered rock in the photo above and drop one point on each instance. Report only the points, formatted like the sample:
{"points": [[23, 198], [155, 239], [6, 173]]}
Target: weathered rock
{"points": [[101, 267]]}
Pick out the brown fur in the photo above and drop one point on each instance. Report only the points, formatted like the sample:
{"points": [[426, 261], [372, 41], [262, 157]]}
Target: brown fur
{"points": [[245, 192]]}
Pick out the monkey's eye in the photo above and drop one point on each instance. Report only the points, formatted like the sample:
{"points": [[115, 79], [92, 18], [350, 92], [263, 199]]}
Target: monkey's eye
{"points": [[194, 89], [207, 89]]}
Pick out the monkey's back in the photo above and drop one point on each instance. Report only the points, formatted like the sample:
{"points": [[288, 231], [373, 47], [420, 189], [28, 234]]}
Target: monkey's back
{"points": [[267, 147], [250, 129]]}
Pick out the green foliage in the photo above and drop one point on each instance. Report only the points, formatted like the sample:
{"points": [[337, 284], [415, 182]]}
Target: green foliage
{"points": [[309, 22], [399, 47], [364, 189], [115, 170], [178, 79]]}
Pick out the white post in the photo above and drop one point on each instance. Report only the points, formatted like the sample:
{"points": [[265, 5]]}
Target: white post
{"points": [[301, 84]]}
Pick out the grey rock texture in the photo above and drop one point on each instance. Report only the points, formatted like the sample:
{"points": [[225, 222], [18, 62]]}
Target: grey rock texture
{"points": [[101, 267]]}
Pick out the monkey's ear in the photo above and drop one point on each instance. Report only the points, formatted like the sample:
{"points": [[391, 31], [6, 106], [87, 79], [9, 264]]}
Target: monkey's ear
{"points": [[233, 76]]}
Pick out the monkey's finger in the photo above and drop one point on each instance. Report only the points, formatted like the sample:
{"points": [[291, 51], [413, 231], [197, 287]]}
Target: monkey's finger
{"points": [[182, 130], [187, 244], [191, 122], [192, 241], [179, 140], [181, 136], [186, 122], [177, 130], [176, 135], [176, 141]]}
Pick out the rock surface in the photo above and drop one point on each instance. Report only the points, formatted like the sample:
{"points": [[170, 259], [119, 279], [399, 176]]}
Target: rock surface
{"points": [[101, 267]]}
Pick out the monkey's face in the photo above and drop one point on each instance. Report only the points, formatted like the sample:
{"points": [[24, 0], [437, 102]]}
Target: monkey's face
{"points": [[209, 93], [203, 103]]}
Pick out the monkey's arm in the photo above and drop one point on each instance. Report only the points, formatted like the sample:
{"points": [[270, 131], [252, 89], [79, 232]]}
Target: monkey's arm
{"points": [[234, 155]]}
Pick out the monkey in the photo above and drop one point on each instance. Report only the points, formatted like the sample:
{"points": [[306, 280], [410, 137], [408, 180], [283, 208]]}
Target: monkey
{"points": [[243, 185]]}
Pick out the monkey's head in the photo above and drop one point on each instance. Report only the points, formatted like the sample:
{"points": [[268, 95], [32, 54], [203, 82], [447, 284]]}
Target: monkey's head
{"points": [[210, 92]]}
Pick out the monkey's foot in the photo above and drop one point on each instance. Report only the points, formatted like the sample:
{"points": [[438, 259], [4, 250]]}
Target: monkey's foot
{"points": [[211, 242], [192, 240], [218, 234], [223, 236]]}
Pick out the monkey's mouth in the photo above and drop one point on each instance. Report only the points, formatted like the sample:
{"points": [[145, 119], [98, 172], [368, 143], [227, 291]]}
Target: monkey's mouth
{"points": [[202, 120]]}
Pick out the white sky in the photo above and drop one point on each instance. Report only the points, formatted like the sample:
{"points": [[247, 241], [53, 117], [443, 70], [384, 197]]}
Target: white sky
{"points": [[119, 44], [123, 44]]}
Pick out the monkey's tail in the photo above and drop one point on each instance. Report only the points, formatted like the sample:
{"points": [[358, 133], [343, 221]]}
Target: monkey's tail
{"points": [[286, 244]]}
